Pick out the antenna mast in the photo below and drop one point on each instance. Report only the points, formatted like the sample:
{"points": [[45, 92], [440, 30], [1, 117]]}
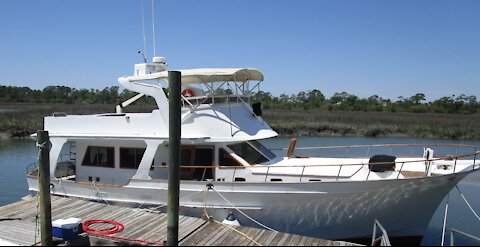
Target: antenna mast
{"points": [[143, 27], [153, 30]]}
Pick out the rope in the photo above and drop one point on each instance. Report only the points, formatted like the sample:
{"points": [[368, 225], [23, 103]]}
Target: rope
{"points": [[466, 202], [205, 211], [153, 209], [205, 197], [97, 192], [244, 214], [36, 217], [37, 229], [239, 232], [115, 228]]}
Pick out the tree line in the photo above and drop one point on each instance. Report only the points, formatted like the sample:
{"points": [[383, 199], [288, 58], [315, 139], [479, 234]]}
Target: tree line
{"points": [[67, 95], [310, 100], [344, 101]]}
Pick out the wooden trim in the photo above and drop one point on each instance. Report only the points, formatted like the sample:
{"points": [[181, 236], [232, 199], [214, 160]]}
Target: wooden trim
{"points": [[239, 165], [101, 185]]}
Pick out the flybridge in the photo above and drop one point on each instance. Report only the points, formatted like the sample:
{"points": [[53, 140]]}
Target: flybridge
{"points": [[199, 86]]}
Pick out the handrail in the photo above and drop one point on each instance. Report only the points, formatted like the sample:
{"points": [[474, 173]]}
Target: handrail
{"points": [[384, 240], [303, 167], [322, 165], [452, 236], [386, 145]]}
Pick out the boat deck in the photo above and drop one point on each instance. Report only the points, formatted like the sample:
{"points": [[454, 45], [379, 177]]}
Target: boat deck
{"points": [[18, 226]]}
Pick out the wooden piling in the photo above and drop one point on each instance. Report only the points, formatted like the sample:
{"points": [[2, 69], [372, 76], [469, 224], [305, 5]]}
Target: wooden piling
{"points": [[43, 142], [174, 84]]}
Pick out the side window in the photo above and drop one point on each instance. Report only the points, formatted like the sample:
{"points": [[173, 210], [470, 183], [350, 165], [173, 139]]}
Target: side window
{"points": [[224, 159], [130, 158], [99, 157]]}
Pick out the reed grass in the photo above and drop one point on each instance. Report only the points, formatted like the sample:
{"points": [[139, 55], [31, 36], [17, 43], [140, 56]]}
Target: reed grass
{"points": [[290, 123], [28, 118]]}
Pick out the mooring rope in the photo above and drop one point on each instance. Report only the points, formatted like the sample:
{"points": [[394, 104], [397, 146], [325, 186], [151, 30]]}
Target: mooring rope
{"points": [[208, 218], [94, 187], [239, 232], [466, 202], [244, 214]]}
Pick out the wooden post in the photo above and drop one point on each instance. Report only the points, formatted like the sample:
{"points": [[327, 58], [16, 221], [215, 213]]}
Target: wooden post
{"points": [[43, 142], [174, 84]]}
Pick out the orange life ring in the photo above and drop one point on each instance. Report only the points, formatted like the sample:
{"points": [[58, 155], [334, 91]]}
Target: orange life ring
{"points": [[188, 93]]}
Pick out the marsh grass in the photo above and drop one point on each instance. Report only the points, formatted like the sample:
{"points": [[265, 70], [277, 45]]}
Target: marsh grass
{"points": [[374, 124], [24, 119]]}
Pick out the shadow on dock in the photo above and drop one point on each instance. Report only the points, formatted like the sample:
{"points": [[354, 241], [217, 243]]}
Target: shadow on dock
{"points": [[18, 227]]}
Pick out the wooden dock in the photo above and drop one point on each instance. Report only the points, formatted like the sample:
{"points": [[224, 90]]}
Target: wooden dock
{"points": [[18, 226]]}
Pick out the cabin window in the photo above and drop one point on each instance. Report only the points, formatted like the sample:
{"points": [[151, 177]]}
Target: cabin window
{"points": [[224, 159], [99, 156], [196, 163], [130, 158], [248, 153]]}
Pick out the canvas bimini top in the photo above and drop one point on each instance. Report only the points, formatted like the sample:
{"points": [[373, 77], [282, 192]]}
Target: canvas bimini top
{"points": [[205, 75]]}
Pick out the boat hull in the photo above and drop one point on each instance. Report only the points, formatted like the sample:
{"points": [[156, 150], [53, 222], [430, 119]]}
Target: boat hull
{"points": [[330, 210]]}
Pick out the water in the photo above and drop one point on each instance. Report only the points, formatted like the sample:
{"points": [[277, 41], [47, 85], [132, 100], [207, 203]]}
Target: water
{"points": [[7, 110], [15, 155]]}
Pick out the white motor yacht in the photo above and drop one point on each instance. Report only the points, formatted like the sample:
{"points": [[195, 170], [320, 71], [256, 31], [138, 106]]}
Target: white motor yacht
{"points": [[122, 157]]}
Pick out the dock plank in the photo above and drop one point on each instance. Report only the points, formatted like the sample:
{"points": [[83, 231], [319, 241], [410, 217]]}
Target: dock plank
{"points": [[18, 224]]}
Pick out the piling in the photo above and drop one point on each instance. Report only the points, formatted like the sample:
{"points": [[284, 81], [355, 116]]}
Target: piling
{"points": [[174, 83], [43, 143]]}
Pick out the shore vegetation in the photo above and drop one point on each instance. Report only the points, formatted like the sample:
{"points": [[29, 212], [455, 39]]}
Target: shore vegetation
{"points": [[304, 114]]}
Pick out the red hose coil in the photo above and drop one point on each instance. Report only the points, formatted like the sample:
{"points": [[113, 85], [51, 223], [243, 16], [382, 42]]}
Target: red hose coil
{"points": [[115, 227]]}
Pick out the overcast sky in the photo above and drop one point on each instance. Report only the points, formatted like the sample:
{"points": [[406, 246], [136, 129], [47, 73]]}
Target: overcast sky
{"points": [[387, 48]]}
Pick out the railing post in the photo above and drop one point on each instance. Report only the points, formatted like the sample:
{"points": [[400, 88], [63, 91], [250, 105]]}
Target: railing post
{"points": [[233, 177], [455, 165], [474, 160], [399, 172], [339, 170], [266, 175], [301, 176]]}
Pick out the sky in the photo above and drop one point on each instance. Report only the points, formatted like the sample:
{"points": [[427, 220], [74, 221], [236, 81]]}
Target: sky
{"points": [[389, 48]]}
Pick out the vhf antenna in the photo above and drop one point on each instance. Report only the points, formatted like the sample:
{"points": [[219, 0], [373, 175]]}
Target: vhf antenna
{"points": [[144, 58]]}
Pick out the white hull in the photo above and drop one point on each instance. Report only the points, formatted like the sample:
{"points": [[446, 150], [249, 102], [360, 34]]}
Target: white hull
{"points": [[333, 210]]}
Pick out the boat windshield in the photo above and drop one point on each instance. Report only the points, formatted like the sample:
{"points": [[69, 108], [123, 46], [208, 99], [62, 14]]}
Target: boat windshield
{"points": [[252, 151]]}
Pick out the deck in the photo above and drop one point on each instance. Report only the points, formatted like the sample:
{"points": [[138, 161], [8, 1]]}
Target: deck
{"points": [[18, 226]]}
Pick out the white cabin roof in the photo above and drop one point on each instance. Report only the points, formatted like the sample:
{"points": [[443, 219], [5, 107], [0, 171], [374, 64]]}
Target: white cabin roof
{"points": [[205, 75]]}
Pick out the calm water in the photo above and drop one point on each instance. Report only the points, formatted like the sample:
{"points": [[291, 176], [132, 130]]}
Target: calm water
{"points": [[16, 155]]}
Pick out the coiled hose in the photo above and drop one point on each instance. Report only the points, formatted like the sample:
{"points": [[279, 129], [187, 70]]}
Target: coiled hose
{"points": [[115, 227]]}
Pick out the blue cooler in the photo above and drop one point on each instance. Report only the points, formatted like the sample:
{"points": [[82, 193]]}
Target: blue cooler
{"points": [[67, 229]]}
